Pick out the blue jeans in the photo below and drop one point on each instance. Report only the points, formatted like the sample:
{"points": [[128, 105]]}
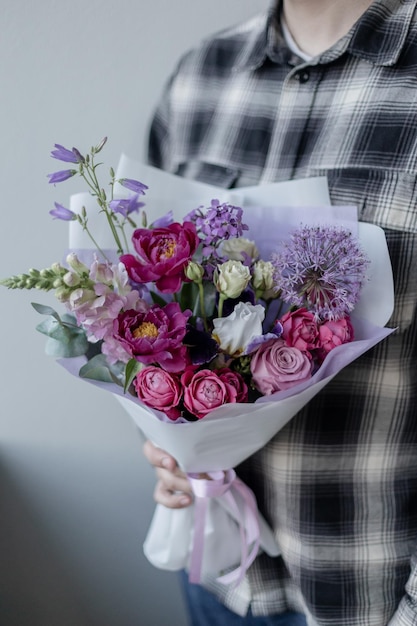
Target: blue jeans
{"points": [[205, 610]]}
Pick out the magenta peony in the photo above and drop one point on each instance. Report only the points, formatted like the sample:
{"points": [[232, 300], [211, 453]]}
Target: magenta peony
{"points": [[276, 366], [163, 255], [155, 337]]}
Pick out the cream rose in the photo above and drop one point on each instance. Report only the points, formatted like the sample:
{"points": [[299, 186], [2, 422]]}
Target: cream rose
{"points": [[231, 278]]}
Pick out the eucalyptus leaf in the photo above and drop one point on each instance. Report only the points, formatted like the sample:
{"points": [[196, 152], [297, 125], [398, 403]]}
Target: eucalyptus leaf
{"points": [[77, 346], [43, 309], [97, 369]]}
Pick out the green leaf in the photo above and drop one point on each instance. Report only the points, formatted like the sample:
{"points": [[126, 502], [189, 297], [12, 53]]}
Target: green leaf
{"points": [[65, 338], [188, 296], [77, 346], [98, 368], [157, 299], [45, 310], [132, 368]]}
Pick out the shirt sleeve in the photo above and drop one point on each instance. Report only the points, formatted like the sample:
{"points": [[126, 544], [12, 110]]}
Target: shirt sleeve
{"points": [[406, 613], [159, 133]]}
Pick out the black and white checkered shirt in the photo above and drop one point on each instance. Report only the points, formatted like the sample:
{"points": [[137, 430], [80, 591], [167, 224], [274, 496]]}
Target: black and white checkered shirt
{"points": [[339, 483]]}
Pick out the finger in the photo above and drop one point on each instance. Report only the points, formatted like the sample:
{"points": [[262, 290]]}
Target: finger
{"points": [[158, 457], [170, 499], [174, 481]]}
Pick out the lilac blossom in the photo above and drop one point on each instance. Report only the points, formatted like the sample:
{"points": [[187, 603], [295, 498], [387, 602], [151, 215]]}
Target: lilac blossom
{"points": [[216, 224], [61, 213], [133, 185], [126, 206], [59, 177], [69, 156], [323, 269]]}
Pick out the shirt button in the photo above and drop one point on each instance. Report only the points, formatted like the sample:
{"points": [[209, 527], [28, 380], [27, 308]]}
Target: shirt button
{"points": [[303, 76]]}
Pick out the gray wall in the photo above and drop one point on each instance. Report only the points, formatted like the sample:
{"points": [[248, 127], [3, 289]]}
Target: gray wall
{"points": [[75, 492]]}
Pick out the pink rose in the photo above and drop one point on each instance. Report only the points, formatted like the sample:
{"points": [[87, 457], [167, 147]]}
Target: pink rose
{"points": [[299, 329], [204, 391], [235, 379], [276, 366], [333, 334], [163, 255], [159, 390]]}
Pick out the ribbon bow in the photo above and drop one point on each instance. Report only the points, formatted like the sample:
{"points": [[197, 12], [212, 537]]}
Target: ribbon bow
{"points": [[230, 487]]}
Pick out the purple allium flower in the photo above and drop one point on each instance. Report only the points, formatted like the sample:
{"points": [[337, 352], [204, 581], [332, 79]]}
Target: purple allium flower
{"points": [[61, 213], [59, 177], [69, 156], [133, 185], [126, 206], [216, 224], [323, 269]]}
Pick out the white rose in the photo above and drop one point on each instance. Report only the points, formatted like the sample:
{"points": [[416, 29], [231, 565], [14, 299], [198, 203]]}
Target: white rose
{"points": [[236, 331], [231, 278], [233, 249]]}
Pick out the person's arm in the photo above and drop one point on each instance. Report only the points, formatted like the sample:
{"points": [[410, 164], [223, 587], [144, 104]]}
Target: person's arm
{"points": [[406, 613], [172, 488]]}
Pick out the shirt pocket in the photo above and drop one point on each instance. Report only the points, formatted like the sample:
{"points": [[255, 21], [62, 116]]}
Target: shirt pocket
{"points": [[383, 197], [209, 173], [389, 200]]}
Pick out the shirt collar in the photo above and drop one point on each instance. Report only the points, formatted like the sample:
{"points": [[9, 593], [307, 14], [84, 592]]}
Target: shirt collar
{"points": [[377, 37]]}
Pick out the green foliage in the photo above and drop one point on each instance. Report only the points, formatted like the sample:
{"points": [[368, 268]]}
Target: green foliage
{"points": [[99, 369], [65, 338]]}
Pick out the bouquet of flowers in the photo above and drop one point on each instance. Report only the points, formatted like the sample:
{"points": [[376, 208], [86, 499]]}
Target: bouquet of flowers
{"points": [[191, 324]]}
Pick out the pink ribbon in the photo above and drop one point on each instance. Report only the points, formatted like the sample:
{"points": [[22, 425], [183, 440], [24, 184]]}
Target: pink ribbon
{"points": [[226, 485]]}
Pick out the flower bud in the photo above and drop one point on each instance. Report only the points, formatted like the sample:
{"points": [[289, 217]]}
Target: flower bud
{"points": [[194, 271], [263, 279], [74, 262], [71, 279]]}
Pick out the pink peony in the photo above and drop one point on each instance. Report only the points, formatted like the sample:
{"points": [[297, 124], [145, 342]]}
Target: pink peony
{"points": [[299, 329], [205, 391], [333, 334], [163, 255], [155, 336], [235, 379], [276, 366], [159, 390]]}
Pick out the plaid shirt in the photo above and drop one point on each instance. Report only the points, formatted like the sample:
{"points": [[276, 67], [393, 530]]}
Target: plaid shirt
{"points": [[339, 483]]}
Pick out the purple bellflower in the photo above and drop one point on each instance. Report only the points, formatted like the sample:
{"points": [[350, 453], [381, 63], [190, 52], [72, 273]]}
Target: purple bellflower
{"points": [[133, 185], [69, 156], [59, 177], [61, 213], [126, 206]]}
